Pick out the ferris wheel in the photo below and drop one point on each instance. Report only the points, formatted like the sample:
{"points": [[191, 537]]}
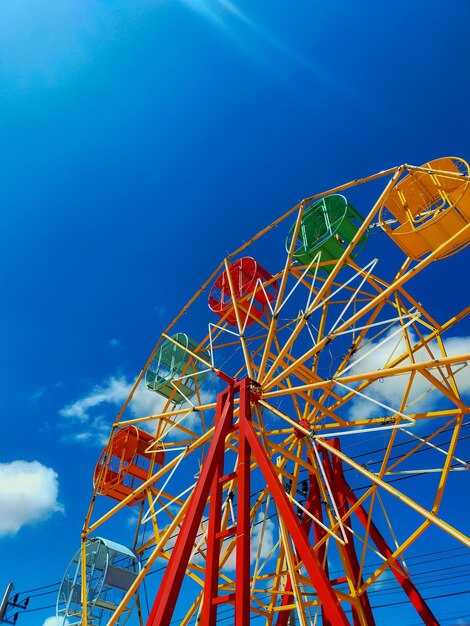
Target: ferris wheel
{"points": [[305, 437]]}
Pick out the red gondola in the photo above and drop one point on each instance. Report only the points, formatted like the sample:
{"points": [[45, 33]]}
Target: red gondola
{"points": [[253, 289]]}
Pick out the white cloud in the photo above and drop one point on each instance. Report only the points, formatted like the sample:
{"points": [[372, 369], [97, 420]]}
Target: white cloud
{"points": [[145, 402], [390, 390], [198, 559], [56, 621], [268, 538], [28, 494], [114, 391], [96, 433], [266, 545], [90, 417], [383, 581], [45, 390], [111, 391], [231, 561], [94, 412], [455, 346]]}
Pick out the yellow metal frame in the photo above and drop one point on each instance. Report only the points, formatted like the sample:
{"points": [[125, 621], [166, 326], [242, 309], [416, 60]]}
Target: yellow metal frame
{"points": [[303, 405]]}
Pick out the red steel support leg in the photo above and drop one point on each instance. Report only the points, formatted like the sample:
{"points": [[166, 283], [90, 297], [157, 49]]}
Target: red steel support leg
{"points": [[398, 571], [164, 604], [242, 592], [349, 549], [320, 581], [209, 608], [313, 506]]}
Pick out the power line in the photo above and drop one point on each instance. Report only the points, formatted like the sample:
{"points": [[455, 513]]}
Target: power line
{"points": [[438, 597], [22, 593], [41, 608]]}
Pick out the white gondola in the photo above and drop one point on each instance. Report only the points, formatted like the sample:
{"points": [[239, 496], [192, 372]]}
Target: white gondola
{"points": [[110, 571]]}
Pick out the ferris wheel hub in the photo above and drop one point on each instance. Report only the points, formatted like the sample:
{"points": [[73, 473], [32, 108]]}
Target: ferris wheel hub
{"points": [[305, 424]]}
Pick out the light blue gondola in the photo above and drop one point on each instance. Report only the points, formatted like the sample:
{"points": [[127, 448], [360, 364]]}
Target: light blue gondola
{"points": [[110, 571]]}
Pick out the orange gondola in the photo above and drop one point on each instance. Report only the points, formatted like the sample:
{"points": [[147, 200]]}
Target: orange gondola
{"points": [[125, 464], [430, 207]]}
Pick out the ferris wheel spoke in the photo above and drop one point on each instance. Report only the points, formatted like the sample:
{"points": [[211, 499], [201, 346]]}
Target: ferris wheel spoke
{"points": [[238, 319], [309, 353], [280, 296], [195, 609], [363, 274], [293, 573], [310, 403], [444, 389], [302, 320], [365, 379], [400, 573], [428, 515], [427, 442]]}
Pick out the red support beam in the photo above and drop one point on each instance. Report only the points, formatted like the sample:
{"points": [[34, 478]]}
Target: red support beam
{"points": [[242, 591], [326, 594], [349, 549], [313, 506], [398, 571], [165, 601], [209, 607]]}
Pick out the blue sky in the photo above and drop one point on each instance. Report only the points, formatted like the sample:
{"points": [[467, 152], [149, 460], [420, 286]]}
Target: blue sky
{"points": [[140, 141]]}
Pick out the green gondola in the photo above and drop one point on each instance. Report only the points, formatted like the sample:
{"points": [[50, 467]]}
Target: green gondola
{"points": [[173, 370], [328, 226]]}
